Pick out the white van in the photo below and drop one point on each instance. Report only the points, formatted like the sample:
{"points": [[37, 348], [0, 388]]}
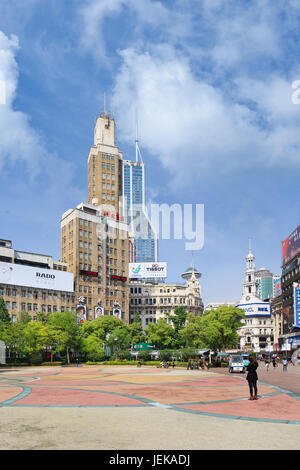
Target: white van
{"points": [[236, 364]]}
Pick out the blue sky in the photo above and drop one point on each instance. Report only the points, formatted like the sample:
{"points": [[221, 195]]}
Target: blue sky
{"points": [[212, 82]]}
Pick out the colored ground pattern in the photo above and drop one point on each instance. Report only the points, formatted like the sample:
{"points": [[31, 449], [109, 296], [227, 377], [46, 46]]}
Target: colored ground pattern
{"points": [[198, 392]]}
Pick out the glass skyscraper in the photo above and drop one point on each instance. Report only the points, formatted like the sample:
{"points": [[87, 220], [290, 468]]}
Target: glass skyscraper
{"points": [[140, 226]]}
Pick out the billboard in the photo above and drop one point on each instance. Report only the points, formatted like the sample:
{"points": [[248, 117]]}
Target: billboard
{"points": [[256, 309], [81, 313], [98, 311], [147, 270], [117, 313], [291, 246], [27, 276], [277, 287], [296, 288]]}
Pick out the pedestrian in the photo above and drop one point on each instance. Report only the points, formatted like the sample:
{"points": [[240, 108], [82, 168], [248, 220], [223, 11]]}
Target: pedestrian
{"points": [[267, 364], [274, 362], [189, 365], [173, 364], [252, 377], [284, 365], [77, 362]]}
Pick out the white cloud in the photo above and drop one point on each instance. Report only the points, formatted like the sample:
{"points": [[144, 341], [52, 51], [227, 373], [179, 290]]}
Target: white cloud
{"points": [[171, 24], [20, 143], [187, 123]]}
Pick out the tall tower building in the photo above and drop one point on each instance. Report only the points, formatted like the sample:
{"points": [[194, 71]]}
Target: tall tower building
{"points": [[257, 332], [134, 206], [105, 166], [94, 235]]}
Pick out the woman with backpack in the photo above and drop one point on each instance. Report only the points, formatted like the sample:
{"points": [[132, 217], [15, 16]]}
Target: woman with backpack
{"points": [[252, 377]]}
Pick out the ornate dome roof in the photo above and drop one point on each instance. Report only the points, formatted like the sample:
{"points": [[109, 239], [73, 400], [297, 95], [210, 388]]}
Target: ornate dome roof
{"points": [[189, 272]]}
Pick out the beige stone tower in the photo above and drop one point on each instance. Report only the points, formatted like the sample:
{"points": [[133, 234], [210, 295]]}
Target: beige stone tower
{"points": [[105, 165], [94, 235]]}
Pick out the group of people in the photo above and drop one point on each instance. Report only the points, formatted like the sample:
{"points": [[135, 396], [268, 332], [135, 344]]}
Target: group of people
{"points": [[197, 364], [275, 362], [167, 364]]}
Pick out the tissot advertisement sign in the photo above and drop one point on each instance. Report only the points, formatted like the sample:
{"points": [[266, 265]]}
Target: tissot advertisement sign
{"points": [[19, 275], [256, 309], [291, 246], [147, 270]]}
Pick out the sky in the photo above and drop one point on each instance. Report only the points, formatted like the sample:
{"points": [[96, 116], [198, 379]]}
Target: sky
{"points": [[211, 81]]}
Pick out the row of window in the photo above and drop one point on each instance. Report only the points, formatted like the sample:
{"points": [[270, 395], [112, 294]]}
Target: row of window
{"points": [[14, 292], [35, 308], [162, 300]]}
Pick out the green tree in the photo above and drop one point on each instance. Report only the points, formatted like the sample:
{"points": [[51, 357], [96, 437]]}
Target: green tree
{"points": [[33, 337], [4, 315], [136, 331], [68, 333], [119, 338], [92, 345], [218, 328], [24, 318], [178, 320], [50, 338], [160, 333], [12, 335], [191, 334]]}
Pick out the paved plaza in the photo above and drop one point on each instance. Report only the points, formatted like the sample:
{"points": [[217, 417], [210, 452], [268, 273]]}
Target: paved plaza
{"points": [[103, 407]]}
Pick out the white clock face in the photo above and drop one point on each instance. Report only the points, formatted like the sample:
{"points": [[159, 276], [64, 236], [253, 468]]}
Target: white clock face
{"points": [[248, 297]]}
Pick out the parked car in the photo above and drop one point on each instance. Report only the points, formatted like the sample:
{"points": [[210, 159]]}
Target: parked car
{"points": [[236, 364]]}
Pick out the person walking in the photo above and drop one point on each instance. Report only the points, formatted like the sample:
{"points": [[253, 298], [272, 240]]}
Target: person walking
{"points": [[267, 364], [284, 365], [252, 377]]}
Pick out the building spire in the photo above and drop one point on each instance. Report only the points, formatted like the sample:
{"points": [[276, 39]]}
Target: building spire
{"points": [[136, 137], [250, 239], [137, 149]]}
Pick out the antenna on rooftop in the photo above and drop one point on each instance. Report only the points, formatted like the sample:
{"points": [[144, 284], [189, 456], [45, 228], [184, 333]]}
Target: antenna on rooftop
{"points": [[137, 149]]}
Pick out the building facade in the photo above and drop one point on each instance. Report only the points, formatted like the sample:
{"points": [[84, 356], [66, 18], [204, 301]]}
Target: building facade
{"points": [[290, 276], [215, 305], [146, 239], [33, 282], [94, 245], [152, 301], [94, 235], [258, 330], [105, 167]]}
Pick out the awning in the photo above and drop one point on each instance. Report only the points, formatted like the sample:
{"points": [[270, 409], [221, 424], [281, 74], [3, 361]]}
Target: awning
{"points": [[202, 351], [222, 354]]}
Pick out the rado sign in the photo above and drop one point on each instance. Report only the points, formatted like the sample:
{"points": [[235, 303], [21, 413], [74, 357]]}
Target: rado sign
{"points": [[27, 276], [45, 276]]}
